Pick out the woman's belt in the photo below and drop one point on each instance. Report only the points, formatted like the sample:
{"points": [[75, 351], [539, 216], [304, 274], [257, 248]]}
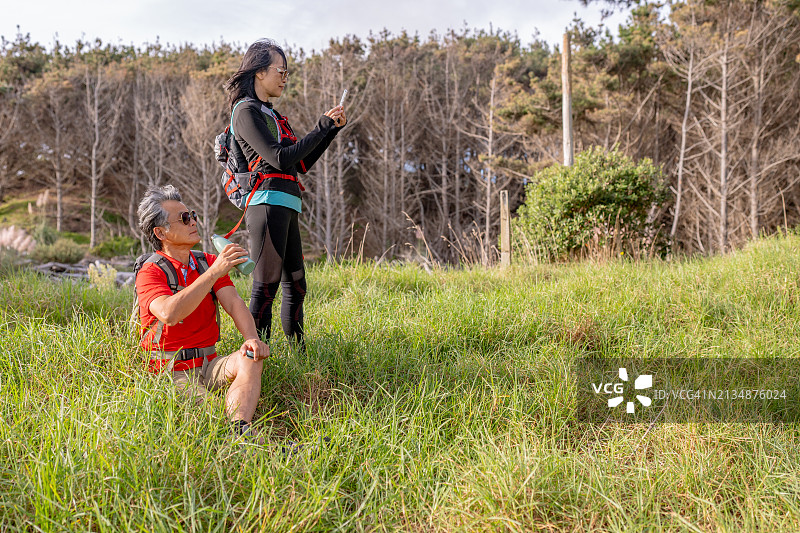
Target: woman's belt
{"points": [[262, 177]]}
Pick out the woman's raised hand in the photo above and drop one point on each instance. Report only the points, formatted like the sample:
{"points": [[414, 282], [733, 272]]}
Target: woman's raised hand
{"points": [[338, 116]]}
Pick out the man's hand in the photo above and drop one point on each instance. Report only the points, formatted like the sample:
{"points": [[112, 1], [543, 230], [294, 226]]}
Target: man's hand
{"points": [[231, 255], [259, 349]]}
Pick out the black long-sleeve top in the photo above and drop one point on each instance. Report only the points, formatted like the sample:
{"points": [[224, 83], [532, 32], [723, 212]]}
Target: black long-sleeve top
{"points": [[281, 156]]}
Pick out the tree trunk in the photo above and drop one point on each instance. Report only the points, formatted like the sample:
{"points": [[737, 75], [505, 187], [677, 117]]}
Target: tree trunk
{"points": [[457, 185], [489, 175], [206, 208], [402, 191], [93, 106], [59, 198], [57, 168], [132, 201], [3, 175], [566, 106], [326, 180], [758, 85], [723, 152], [682, 156], [386, 148]]}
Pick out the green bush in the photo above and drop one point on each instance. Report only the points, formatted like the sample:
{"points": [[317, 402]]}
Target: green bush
{"points": [[80, 238], [9, 259], [61, 251], [116, 246], [44, 234], [603, 198]]}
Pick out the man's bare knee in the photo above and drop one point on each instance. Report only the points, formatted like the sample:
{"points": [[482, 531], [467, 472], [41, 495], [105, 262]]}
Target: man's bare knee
{"points": [[250, 370], [240, 367]]}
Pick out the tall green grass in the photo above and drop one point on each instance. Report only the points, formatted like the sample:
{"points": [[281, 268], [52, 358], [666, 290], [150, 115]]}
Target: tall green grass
{"points": [[447, 397]]}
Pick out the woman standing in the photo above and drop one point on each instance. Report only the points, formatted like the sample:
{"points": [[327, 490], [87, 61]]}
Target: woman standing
{"points": [[272, 150]]}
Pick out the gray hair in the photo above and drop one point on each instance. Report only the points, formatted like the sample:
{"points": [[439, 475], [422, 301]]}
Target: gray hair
{"points": [[151, 211]]}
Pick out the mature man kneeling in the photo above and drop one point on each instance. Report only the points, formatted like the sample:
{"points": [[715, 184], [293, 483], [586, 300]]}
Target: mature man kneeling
{"points": [[176, 288]]}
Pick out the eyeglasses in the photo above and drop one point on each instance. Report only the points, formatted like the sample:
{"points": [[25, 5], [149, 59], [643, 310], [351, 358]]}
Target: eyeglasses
{"points": [[187, 217], [284, 72]]}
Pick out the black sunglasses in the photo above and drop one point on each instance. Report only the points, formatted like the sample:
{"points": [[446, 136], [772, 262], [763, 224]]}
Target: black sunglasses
{"points": [[187, 216]]}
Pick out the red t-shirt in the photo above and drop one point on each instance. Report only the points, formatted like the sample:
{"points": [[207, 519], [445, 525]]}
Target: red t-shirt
{"points": [[199, 329]]}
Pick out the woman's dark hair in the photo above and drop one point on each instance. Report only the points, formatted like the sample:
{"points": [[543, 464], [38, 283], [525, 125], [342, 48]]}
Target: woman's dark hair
{"points": [[258, 57]]}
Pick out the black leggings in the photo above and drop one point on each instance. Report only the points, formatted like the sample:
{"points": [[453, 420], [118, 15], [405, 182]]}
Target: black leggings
{"points": [[276, 248]]}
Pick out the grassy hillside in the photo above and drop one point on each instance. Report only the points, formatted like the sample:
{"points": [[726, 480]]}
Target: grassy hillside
{"points": [[447, 397]]}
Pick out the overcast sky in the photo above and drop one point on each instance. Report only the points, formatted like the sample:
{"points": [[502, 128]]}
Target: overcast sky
{"points": [[299, 23]]}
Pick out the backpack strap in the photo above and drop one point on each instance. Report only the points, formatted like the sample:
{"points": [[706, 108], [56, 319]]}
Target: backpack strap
{"points": [[234, 109], [202, 266], [285, 128], [173, 283], [261, 178], [166, 265]]}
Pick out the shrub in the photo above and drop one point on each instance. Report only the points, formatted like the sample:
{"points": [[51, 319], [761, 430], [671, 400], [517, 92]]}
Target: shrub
{"points": [[44, 234], [604, 198], [80, 238], [9, 259], [61, 251], [116, 246], [102, 276]]}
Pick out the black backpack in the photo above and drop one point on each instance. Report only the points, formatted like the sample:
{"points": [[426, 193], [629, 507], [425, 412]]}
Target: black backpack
{"points": [[172, 280], [237, 177]]}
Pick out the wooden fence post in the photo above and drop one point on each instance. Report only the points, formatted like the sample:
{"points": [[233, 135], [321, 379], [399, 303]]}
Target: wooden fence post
{"points": [[505, 230]]}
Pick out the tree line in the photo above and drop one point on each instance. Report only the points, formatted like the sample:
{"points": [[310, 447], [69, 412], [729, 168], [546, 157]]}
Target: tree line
{"points": [[437, 126]]}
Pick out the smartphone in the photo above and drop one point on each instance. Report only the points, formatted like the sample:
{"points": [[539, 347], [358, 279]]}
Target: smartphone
{"points": [[344, 94]]}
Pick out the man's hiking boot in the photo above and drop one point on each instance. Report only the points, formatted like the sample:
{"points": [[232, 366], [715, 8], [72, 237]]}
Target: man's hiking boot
{"points": [[293, 448], [243, 432]]}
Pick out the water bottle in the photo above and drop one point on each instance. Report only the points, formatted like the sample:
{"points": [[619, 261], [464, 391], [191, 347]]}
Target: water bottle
{"points": [[221, 242]]}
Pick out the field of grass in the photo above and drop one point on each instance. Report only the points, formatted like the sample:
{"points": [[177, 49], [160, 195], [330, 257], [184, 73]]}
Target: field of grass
{"points": [[447, 397]]}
